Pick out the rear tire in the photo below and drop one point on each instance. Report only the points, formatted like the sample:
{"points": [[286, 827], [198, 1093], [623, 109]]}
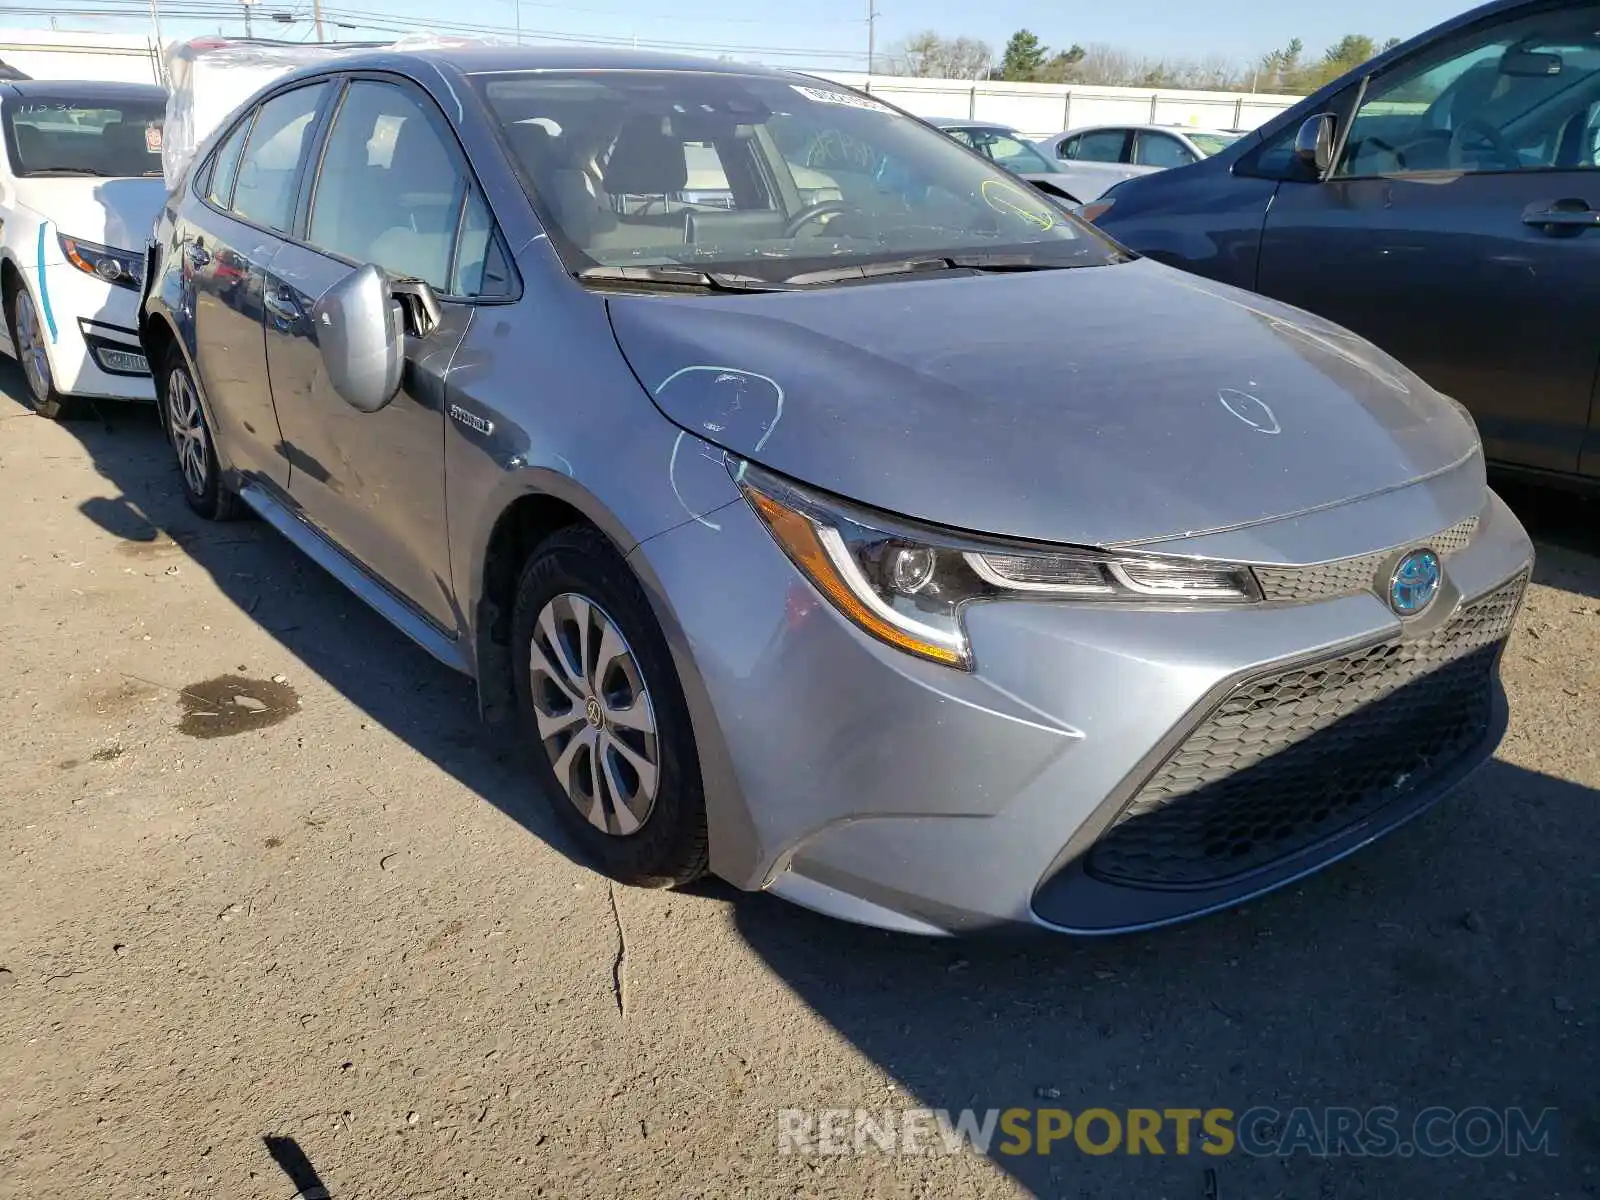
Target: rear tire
{"points": [[191, 438], [613, 747], [28, 339]]}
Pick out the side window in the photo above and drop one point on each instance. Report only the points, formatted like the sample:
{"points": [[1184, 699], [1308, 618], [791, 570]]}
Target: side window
{"points": [[1515, 96], [480, 267], [1101, 145], [389, 190], [264, 190], [961, 135], [225, 166], [1067, 147], [1160, 150]]}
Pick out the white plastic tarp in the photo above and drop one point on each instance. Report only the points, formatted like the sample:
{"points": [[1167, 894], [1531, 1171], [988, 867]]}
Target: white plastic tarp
{"points": [[209, 77]]}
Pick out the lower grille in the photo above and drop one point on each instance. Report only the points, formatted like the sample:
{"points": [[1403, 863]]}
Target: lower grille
{"points": [[1294, 757]]}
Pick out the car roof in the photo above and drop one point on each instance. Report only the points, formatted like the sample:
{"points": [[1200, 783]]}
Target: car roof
{"points": [[1145, 125], [965, 123], [487, 59], [80, 90]]}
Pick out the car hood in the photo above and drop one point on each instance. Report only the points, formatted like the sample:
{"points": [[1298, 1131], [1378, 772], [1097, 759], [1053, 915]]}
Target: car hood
{"points": [[1091, 406], [114, 212]]}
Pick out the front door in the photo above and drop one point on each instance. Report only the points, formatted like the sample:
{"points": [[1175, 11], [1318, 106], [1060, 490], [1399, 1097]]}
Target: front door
{"points": [[390, 190], [1459, 228]]}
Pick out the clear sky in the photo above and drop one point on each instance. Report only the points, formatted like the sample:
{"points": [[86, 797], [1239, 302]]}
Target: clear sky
{"points": [[834, 29]]}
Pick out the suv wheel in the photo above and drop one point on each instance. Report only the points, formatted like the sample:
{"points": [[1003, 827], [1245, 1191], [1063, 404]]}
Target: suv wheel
{"points": [[614, 751], [28, 338], [191, 438]]}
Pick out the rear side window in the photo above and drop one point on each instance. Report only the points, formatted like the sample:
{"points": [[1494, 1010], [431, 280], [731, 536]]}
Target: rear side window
{"points": [[390, 189], [264, 190], [225, 166], [1101, 145]]}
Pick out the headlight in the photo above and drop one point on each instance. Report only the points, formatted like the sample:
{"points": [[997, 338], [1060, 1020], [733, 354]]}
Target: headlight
{"points": [[906, 585], [121, 267]]}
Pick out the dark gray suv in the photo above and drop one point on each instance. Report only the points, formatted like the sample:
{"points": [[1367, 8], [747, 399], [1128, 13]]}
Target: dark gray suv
{"points": [[1442, 200]]}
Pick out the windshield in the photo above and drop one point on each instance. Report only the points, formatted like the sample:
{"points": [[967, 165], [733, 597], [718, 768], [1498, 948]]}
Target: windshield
{"points": [[58, 135], [761, 175], [1213, 143]]}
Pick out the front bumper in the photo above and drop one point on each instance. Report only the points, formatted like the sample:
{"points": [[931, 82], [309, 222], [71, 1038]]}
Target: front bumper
{"points": [[92, 329], [1077, 779]]}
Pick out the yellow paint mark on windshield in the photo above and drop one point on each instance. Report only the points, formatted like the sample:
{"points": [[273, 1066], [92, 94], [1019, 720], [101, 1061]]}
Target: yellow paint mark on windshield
{"points": [[1013, 201]]}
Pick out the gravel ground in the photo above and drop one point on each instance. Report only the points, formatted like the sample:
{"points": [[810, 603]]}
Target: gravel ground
{"points": [[332, 934]]}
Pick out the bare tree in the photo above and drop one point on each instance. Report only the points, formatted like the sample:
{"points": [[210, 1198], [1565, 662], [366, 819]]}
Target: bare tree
{"points": [[927, 55]]}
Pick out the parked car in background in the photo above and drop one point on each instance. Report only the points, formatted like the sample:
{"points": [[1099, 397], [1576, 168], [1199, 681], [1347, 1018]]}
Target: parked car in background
{"points": [[1007, 148], [917, 555], [1121, 152], [80, 187], [1442, 200]]}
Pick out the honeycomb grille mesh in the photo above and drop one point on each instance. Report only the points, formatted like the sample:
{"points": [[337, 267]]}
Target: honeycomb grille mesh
{"points": [[1348, 576], [1293, 757]]}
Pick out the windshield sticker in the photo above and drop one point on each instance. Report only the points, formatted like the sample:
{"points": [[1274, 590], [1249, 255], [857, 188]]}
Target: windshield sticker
{"points": [[849, 100], [152, 139], [1014, 202]]}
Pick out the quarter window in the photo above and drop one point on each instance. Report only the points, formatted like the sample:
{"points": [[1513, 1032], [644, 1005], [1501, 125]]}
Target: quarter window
{"points": [[390, 191], [264, 191]]}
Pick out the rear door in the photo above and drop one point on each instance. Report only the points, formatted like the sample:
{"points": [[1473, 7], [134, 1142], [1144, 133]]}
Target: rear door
{"points": [[229, 241], [392, 188], [1458, 227]]}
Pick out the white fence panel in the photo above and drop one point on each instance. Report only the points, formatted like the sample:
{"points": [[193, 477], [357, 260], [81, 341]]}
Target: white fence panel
{"points": [[1037, 109]]}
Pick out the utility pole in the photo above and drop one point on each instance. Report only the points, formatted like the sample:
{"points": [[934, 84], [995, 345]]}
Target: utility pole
{"points": [[316, 13], [872, 34], [249, 31]]}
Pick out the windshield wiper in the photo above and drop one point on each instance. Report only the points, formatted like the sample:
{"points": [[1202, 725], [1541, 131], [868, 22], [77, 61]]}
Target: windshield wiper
{"points": [[66, 171], [716, 281], [995, 262]]}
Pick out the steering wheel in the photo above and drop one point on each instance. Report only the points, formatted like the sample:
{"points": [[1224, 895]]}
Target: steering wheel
{"points": [[1486, 132], [813, 212]]}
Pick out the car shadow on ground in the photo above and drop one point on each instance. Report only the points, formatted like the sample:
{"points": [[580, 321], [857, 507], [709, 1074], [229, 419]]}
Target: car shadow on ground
{"points": [[1451, 964], [1567, 528], [396, 684]]}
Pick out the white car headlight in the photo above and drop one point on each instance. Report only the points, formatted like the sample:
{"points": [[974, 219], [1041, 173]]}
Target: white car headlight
{"points": [[906, 584], [120, 267]]}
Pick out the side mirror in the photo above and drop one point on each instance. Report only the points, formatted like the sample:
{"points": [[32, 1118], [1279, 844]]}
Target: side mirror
{"points": [[361, 335], [1313, 145]]}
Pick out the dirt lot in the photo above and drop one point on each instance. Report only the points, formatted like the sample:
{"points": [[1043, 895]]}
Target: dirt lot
{"points": [[339, 917]]}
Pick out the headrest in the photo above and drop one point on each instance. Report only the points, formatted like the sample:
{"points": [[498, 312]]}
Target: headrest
{"points": [[646, 160]]}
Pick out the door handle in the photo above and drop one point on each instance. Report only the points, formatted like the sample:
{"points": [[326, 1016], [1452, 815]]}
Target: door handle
{"points": [[281, 302], [197, 254], [1562, 217]]}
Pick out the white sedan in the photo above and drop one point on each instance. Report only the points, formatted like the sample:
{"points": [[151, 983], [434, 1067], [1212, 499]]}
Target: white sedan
{"points": [[80, 187]]}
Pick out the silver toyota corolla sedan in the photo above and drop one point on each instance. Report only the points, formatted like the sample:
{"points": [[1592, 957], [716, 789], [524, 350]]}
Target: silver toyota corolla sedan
{"points": [[901, 546]]}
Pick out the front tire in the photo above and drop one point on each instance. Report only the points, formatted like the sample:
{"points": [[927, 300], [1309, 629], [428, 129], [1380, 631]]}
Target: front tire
{"points": [[192, 442], [28, 339], [613, 748]]}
